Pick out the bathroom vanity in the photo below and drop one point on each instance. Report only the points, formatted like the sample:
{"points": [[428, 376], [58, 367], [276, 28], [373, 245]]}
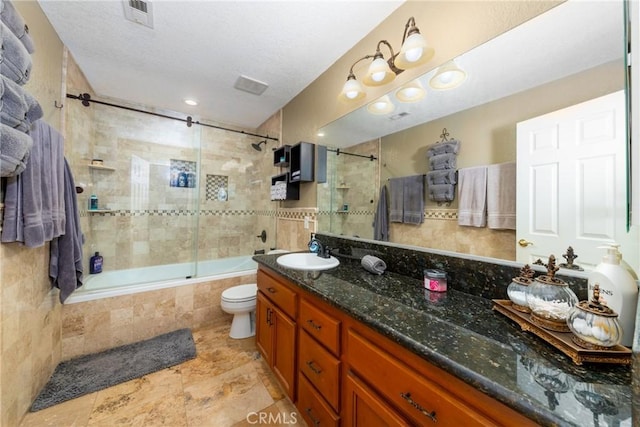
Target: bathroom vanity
{"points": [[355, 349]]}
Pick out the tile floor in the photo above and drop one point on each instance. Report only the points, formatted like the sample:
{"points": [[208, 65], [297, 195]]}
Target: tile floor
{"points": [[227, 384]]}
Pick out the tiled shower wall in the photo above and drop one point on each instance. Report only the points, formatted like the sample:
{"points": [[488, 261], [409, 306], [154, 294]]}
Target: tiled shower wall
{"points": [[146, 220], [351, 181]]}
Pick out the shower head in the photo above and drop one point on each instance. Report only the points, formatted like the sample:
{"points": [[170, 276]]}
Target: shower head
{"points": [[256, 146]]}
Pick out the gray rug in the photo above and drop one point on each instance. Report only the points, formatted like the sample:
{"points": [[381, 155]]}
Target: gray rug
{"points": [[94, 372]]}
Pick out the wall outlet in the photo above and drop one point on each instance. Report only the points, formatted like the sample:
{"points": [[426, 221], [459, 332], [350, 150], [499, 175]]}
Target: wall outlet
{"points": [[306, 222]]}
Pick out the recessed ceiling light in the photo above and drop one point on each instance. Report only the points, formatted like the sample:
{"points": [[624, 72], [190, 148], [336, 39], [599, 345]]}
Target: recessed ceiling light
{"points": [[192, 102], [320, 134]]}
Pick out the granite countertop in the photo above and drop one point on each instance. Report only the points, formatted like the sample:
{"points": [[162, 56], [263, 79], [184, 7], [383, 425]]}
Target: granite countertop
{"points": [[463, 335]]}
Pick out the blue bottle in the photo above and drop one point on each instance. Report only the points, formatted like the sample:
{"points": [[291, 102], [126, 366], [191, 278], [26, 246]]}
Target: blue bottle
{"points": [[95, 264]]}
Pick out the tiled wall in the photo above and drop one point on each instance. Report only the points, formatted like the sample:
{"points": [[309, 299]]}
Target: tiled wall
{"points": [[352, 184], [97, 325], [151, 222], [295, 226]]}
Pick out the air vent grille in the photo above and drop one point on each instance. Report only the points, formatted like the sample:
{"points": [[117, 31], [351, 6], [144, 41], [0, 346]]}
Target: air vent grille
{"points": [[139, 11], [247, 84]]}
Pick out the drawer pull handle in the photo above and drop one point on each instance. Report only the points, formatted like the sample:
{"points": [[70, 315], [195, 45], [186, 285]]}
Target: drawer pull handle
{"points": [[314, 368], [314, 325], [431, 415], [272, 290], [269, 312], [314, 420]]}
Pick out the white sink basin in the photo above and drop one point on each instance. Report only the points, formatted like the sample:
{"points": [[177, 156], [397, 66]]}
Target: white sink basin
{"points": [[307, 261]]}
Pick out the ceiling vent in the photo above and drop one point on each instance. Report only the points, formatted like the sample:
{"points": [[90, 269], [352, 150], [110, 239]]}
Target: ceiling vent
{"points": [[399, 116], [139, 11], [250, 85]]}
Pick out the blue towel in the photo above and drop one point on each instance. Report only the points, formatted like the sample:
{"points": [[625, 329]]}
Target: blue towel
{"points": [[441, 192], [442, 161], [14, 150], [397, 199], [444, 176], [381, 218], [12, 19], [34, 203], [413, 200], [451, 146], [65, 257], [18, 109], [15, 61]]}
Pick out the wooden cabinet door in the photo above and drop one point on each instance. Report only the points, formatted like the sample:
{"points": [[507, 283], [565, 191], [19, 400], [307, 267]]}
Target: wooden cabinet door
{"points": [[284, 350], [364, 409], [264, 334]]}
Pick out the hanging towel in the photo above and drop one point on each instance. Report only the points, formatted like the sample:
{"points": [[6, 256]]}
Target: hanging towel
{"points": [[381, 219], [442, 161], [445, 176], [501, 196], [13, 20], [472, 196], [442, 192], [65, 257], [15, 61], [14, 150], [18, 109], [413, 199], [451, 146], [396, 186], [34, 203]]}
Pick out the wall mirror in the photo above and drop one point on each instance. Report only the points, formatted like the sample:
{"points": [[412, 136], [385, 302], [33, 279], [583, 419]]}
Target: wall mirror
{"points": [[572, 53]]}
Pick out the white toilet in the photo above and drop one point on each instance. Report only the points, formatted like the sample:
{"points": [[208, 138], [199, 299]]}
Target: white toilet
{"points": [[241, 302]]}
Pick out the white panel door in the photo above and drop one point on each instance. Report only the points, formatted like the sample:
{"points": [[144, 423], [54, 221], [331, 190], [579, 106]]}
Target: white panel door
{"points": [[572, 183]]}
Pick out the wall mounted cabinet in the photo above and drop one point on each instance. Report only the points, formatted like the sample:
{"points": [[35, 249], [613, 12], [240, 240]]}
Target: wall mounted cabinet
{"points": [[283, 189], [281, 156], [302, 162]]}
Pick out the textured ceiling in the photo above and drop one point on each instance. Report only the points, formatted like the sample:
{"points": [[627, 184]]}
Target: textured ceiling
{"points": [[198, 49]]}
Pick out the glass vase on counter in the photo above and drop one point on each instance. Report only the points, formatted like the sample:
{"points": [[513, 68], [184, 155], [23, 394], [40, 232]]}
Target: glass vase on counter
{"points": [[518, 289], [594, 325], [550, 300]]}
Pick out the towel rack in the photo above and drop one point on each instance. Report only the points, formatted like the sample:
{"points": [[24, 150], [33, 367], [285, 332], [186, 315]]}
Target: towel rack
{"points": [[443, 136]]}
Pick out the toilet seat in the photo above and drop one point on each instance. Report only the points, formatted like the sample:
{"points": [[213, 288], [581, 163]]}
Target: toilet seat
{"points": [[240, 293]]}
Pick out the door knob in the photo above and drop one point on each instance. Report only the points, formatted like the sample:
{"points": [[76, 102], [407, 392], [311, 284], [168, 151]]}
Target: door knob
{"points": [[524, 243]]}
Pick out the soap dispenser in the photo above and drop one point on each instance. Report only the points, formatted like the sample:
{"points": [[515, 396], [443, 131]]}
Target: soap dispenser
{"points": [[618, 290]]}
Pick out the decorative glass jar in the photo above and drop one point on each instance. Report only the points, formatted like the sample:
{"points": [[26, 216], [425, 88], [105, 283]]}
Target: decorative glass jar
{"points": [[550, 300], [518, 289], [594, 325]]}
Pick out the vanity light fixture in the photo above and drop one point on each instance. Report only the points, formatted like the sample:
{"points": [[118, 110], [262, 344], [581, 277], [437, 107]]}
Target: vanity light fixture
{"points": [[382, 105], [415, 51], [411, 92], [448, 76]]}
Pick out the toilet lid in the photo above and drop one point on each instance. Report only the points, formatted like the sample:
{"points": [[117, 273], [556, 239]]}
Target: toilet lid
{"points": [[241, 292]]}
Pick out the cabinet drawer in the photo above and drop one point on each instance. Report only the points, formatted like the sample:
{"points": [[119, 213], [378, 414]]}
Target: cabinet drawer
{"points": [[321, 368], [419, 399], [313, 408], [281, 296], [324, 328]]}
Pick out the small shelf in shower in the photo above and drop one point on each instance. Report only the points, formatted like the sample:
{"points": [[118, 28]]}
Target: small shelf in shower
{"points": [[98, 210], [101, 167]]}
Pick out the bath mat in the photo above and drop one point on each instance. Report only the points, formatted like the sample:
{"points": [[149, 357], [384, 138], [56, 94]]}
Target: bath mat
{"points": [[94, 372]]}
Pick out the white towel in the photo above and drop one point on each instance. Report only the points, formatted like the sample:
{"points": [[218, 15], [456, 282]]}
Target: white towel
{"points": [[472, 196], [501, 196]]}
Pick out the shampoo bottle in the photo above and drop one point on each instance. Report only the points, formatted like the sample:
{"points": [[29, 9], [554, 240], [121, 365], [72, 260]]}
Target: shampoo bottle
{"points": [[95, 264], [618, 289]]}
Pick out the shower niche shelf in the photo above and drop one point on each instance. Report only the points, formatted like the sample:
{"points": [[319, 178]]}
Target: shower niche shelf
{"points": [[281, 156], [101, 167]]}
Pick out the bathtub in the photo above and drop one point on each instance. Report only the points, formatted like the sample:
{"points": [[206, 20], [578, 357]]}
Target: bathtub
{"points": [[134, 280]]}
